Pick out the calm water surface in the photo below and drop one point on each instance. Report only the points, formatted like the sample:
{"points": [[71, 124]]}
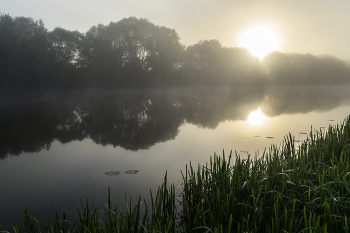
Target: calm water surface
{"points": [[56, 148]]}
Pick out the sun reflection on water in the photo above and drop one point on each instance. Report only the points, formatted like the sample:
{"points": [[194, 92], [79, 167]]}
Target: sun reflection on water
{"points": [[256, 117]]}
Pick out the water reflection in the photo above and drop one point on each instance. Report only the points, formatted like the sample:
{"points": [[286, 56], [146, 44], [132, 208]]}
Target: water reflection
{"points": [[303, 99], [256, 117], [138, 119]]}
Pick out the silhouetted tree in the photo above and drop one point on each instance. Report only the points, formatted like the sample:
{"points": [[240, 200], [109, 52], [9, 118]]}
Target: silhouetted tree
{"points": [[135, 52], [133, 47], [214, 64], [295, 68], [26, 51], [67, 46]]}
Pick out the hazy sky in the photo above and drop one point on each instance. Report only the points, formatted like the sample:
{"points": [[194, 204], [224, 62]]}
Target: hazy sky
{"points": [[303, 26]]}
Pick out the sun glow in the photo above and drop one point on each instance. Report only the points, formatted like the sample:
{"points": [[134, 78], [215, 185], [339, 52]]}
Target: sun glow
{"points": [[256, 117], [260, 41]]}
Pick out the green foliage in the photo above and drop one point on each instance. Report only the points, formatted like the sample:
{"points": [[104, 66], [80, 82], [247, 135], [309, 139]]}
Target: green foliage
{"points": [[286, 190]]}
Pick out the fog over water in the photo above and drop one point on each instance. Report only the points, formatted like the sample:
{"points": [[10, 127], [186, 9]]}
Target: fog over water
{"points": [[126, 101], [57, 147], [137, 119]]}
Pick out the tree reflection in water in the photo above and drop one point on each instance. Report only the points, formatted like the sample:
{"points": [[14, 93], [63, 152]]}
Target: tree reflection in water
{"points": [[137, 119]]}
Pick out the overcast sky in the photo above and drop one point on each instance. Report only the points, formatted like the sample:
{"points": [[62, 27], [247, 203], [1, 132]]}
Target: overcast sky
{"points": [[303, 26]]}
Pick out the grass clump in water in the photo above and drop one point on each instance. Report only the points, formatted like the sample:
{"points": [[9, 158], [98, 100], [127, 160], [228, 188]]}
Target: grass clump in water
{"points": [[286, 190]]}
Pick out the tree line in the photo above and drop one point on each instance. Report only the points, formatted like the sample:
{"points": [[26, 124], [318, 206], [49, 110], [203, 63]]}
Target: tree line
{"points": [[135, 52]]}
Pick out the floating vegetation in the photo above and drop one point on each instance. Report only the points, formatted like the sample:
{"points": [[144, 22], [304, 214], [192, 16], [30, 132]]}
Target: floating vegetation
{"points": [[115, 173], [302, 133], [331, 120], [112, 173], [131, 172], [322, 127], [257, 136], [296, 140], [269, 137], [244, 151]]}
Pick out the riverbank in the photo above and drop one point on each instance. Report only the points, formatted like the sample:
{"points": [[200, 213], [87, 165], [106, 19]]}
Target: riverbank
{"points": [[287, 189]]}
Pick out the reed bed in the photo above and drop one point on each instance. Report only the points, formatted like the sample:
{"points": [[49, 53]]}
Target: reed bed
{"points": [[287, 189]]}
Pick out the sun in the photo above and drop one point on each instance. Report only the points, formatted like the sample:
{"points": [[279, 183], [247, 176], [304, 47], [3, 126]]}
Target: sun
{"points": [[260, 41], [256, 117]]}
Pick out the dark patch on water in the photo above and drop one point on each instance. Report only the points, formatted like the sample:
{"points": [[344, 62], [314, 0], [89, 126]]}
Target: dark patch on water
{"points": [[112, 173], [131, 171]]}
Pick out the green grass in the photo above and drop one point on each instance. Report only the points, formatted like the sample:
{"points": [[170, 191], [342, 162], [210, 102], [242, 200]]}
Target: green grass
{"points": [[287, 189]]}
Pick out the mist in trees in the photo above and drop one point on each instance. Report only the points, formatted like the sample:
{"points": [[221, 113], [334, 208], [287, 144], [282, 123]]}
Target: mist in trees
{"points": [[294, 68], [136, 53]]}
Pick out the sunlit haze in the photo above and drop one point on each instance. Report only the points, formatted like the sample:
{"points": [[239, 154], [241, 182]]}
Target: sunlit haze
{"points": [[123, 97], [313, 26]]}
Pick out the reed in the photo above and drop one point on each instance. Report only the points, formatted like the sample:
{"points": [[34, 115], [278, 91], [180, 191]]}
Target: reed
{"points": [[287, 189], [158, 216]]}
